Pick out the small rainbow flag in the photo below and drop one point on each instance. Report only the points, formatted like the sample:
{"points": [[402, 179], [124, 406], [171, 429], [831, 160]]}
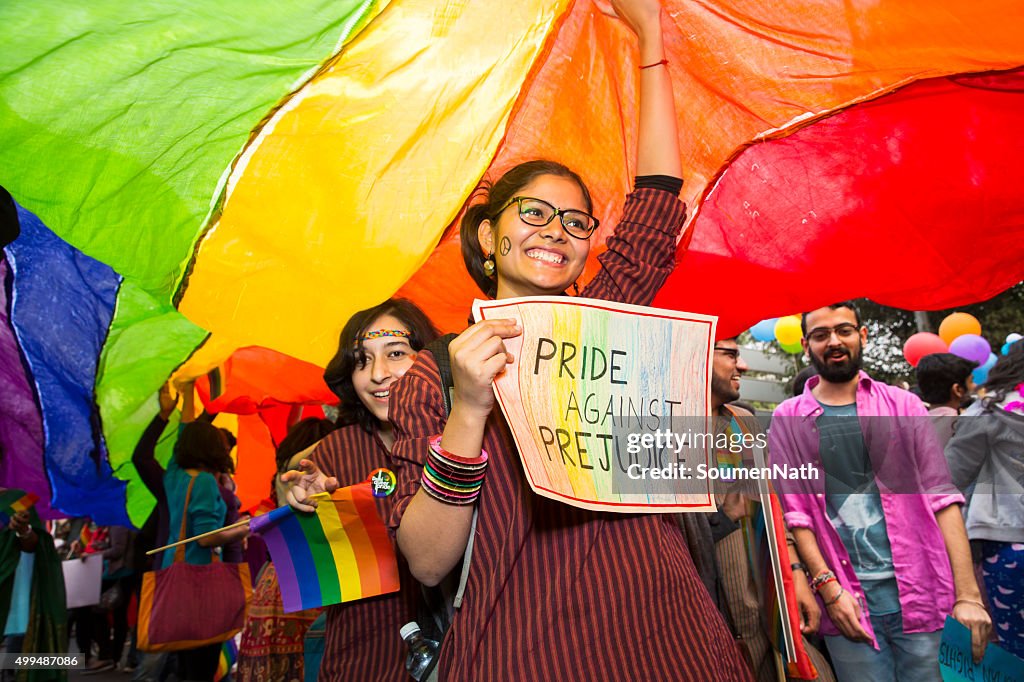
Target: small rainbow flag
{"points": [[17, 500], [228, 656], [784, 623], [13, 501], [340, 553], [764, 535], [86, 536]]}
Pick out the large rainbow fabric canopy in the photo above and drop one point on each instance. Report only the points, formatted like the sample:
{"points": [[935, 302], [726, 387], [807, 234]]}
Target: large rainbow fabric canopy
{"points": [[246, 176]]}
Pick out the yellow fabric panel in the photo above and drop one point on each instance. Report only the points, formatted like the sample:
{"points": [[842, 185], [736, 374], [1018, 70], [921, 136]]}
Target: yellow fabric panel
{"points": [[213, 353], [347, 188]]}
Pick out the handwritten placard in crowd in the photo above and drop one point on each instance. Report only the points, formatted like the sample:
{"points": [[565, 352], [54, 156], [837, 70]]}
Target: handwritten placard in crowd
{"points": [[957, 665], [593, 391]]}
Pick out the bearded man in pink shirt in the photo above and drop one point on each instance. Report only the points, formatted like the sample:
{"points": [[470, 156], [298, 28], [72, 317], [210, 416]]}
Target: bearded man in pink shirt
{"points": [[880, 530]]}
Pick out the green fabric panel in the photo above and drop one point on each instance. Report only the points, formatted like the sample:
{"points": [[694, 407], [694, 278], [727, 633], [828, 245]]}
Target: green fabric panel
{"points": [[146, 342], [117, 119]]}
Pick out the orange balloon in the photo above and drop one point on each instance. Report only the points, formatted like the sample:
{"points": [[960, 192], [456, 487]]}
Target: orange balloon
{"points": [[958, 324]]}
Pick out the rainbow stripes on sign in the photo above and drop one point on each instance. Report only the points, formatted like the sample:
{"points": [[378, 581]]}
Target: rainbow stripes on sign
{"points": [[340, 553]]}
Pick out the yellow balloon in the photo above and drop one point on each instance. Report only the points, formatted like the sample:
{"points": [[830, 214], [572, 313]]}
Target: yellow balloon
{"points": [[958, 324], [787, 330]]}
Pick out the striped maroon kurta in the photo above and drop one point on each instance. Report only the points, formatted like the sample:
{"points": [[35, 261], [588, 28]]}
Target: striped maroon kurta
{"points": [[362, 641], [559, 593]]}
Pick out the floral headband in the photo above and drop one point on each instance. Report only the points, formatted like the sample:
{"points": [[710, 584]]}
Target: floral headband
{"points": [[381, 333]]}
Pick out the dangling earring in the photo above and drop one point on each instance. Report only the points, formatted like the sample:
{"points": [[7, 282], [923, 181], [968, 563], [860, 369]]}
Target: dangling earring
{"points": [[575, 289], [489, 266]]}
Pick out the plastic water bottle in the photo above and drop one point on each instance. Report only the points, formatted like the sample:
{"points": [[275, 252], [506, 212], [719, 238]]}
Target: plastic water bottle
{"points": [[422, 652]]}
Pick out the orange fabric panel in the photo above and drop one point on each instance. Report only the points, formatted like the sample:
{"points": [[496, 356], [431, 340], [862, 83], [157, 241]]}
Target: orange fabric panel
{"points": [[742, 70], [256, 464]]}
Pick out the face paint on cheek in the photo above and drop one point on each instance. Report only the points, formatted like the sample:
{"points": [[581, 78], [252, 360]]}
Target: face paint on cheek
{"points": [[505, 246]]}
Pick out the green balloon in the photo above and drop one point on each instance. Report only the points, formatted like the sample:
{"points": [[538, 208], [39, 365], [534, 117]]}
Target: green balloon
{"points": [[794, 347]]}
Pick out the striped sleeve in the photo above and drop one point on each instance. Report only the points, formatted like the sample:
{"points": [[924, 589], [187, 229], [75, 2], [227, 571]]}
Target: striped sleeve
{"points": [[642, 251], [417, 413]]}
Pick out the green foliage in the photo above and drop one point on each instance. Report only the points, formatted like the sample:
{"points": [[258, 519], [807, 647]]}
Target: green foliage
{"points": [[889, 328]]}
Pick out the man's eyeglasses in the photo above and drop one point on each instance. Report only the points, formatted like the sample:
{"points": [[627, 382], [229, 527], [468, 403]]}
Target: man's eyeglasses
{"points": [[539, 213], [843, 331], [731, 353]]}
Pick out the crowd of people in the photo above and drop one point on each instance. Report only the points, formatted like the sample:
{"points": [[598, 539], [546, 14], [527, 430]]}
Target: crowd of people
{"points": [[880, 552]]}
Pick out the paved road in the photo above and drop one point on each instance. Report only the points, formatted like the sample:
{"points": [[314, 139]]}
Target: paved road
{"points": [[108, 676]]}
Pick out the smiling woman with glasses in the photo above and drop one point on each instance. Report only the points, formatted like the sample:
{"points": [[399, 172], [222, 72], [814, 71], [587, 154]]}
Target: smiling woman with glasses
{"points": [[539, 213], [540, 569]]}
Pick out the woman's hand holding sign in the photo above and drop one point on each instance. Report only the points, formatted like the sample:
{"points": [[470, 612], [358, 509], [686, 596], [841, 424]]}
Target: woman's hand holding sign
{"points": [[478, 355], [433, 534]]}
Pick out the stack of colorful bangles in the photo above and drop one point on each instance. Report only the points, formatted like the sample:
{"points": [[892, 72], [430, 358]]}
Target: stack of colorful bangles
{"points": [[452, 479]]}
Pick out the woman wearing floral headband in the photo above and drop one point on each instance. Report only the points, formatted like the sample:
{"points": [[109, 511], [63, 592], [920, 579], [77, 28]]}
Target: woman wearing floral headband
{"points": [[376, 348]]}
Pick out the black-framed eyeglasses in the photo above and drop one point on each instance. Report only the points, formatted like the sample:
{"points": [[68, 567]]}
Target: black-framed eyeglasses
{"points": [[822, 334], [539, 213], [731, 353]]}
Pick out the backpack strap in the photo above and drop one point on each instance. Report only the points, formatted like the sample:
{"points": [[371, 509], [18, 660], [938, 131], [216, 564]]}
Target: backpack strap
{"points": [[439, 349], [179, 553]]}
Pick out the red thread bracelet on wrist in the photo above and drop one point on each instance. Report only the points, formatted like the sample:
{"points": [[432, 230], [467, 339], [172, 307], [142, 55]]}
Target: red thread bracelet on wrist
{"points": [[663, 62], [825, 582]]}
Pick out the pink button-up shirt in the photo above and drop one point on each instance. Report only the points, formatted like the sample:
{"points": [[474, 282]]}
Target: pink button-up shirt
{"points": [[914, 483]]}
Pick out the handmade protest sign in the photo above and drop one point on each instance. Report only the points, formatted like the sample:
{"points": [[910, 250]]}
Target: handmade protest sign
{"points": [[957, 665], [594, 400]]}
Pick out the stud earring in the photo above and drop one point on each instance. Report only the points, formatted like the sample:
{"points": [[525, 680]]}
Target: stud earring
{"points": [[489, 266]]}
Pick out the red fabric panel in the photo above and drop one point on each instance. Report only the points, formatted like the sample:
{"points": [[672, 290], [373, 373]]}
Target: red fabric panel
{"points": [[911, 200], [253, 377]]}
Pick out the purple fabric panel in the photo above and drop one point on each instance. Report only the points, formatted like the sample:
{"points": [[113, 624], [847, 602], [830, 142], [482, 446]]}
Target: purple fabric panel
{"points": [[21, 428]]}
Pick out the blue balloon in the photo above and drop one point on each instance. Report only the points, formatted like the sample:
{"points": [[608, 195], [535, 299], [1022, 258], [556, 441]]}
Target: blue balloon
{"points": [[1005, 349], [764, 330], [980, 373]]}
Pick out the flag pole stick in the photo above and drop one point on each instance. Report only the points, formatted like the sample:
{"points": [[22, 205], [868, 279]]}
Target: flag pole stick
{"points": [[196, 537]]}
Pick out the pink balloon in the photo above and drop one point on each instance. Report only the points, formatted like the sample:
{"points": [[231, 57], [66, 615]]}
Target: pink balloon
{"points": [[922, 344]]}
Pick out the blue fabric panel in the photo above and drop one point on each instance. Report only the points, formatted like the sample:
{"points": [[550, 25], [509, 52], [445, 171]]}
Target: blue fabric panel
{"points": [[61, 305]]}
